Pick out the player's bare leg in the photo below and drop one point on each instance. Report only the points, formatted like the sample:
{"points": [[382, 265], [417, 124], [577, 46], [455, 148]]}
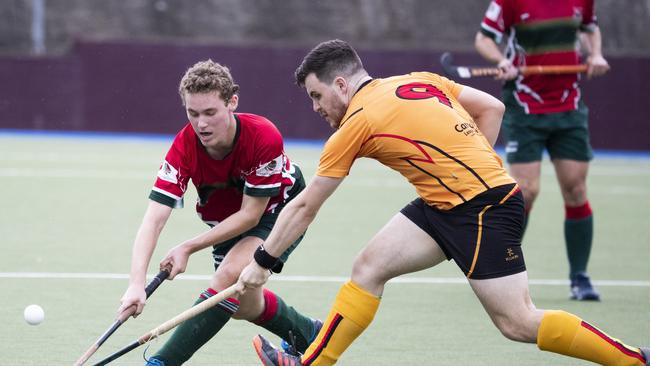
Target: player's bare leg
{"points": [[507, 302], [527, 177], [399, 247], [578, 225]]}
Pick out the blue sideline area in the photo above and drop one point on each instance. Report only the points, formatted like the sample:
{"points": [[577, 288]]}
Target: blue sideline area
{"points": [[299, 143]]}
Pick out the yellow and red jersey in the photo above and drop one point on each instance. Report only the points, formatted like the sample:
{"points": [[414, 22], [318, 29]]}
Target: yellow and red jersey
{"points": [[415, 125]]}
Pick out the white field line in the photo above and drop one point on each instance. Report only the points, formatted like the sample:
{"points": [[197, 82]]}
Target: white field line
{"points": [[309, 279]]}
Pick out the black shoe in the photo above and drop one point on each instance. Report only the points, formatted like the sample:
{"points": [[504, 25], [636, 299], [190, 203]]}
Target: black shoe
{"points": [[272, 356], [582, 290]]}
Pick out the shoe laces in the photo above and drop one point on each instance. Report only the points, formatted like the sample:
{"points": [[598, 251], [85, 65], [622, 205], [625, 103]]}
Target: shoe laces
{"points": [[292, 349]]}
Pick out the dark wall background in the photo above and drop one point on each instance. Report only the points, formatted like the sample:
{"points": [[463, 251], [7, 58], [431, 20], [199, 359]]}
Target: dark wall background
{"points": [[132, 87], [112, 65]]}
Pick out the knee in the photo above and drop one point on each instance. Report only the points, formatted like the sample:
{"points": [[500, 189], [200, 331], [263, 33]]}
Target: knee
{"points": [[520, 328], [575, 195], [225, 276], [367, 271]]}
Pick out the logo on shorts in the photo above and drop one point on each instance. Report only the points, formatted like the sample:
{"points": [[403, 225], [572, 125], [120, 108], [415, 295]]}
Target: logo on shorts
{"points": [[510, 255], [512, 147]]}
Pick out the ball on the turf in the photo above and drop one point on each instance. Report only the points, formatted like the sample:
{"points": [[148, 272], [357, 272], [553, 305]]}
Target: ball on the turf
{"points": [[34, 314]]}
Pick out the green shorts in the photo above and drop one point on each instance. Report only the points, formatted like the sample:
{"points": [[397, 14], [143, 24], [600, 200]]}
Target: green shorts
{"points": [[263, 229], [565, 134]]}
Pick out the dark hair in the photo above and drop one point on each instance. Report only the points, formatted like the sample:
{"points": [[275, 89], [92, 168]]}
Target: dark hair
{"points": [[328, 60]]}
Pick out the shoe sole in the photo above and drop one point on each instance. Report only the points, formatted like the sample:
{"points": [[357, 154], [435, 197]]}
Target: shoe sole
{"points": [[257, 344]]}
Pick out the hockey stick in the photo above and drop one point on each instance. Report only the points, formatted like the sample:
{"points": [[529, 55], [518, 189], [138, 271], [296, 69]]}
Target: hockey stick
{"points": [[467, 72], [151, 287], [172, 323]]}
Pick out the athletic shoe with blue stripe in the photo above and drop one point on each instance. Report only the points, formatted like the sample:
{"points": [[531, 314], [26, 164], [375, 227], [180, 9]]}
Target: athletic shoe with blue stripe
{"points": [[272, 356], [290, 347]]}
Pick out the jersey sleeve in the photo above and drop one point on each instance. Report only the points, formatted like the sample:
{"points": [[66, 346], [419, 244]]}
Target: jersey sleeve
{"points": [[173, 176], [497, 20], [343, 147], [264, 179], [589, 22]]}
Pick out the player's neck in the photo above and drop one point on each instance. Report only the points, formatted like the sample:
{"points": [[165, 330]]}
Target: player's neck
{"points": [[355, 83], [221, 150]]}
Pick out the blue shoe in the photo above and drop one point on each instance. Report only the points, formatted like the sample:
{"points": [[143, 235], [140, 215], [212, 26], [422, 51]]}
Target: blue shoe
{"points": [[272, 356], [290, 347], [582, 290], [154, 362], [646, 354]]}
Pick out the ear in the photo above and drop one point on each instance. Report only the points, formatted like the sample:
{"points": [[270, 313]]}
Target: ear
{"points": [[233, 103], [341, 84]]}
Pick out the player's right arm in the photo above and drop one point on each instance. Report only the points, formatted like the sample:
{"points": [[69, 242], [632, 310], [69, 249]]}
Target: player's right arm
{"points": [[293, 220], [146, 238], [492, 30], [486, 111]]}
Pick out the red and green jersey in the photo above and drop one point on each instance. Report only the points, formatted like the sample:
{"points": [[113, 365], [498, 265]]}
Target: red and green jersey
{"points": [[256, 166], [541, 32]]}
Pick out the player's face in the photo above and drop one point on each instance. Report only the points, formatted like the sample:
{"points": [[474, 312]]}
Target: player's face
{"points": [[211, 118], [327, 100]]}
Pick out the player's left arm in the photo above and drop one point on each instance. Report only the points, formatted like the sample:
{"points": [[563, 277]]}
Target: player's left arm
{"points": [[248, 216], [486, 110], [597, 65], [292, 222]]}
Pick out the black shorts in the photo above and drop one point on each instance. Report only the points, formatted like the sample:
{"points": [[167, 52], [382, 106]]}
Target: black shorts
{"points": [[482, 235]]}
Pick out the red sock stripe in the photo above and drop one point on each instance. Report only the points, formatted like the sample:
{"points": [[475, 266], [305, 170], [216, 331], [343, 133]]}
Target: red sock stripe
{"points": [[208, 293], [579, 212], [270, 307], [616, 344], [328, 335]]}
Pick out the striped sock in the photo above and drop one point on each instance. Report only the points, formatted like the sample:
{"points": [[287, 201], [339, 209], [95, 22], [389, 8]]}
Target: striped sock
{"points": [[280, 319], [566, 334], [190, 335], [578, 234], [353, 310]]}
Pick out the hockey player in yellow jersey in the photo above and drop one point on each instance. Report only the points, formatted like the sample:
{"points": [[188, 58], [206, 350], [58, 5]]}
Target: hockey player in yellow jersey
{"points": [[439, 136]]}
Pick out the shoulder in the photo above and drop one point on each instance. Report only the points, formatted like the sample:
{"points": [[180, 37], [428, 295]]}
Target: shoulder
{"points": [[258, 131]]}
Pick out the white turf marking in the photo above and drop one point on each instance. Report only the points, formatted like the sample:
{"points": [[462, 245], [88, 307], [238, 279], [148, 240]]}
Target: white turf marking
{"points": [[308, 279]]}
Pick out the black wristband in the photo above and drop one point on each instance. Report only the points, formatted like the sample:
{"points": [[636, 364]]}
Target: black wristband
{"points": [[264, 259]]}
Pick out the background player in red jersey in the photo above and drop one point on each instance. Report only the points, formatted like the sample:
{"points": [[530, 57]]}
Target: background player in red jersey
{"points": [[243, 178], [547, 111]]}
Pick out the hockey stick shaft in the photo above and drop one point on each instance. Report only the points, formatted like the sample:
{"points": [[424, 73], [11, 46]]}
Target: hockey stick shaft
{"points": [[466, 72], [172, 323], [151, 287]]}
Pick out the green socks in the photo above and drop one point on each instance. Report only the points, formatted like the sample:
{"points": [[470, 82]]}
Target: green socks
{"points": [[195, 332], [578, 233], [279, 318]]}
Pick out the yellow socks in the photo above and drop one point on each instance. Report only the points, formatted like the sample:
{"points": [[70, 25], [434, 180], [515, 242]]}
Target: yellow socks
{"points": [[353, 310], [566, 334]]}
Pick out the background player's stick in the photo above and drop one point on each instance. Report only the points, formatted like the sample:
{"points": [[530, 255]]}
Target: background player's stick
{"points": [[467, 72], [173, 322], [151, 287]]}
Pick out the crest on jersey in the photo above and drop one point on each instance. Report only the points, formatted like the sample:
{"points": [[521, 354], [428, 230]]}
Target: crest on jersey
{"points": [[273, 167], [168, 173]]}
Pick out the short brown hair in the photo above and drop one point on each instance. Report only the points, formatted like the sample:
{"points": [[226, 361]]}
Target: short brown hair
{"points": [[208, 76], [328, 60]]}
